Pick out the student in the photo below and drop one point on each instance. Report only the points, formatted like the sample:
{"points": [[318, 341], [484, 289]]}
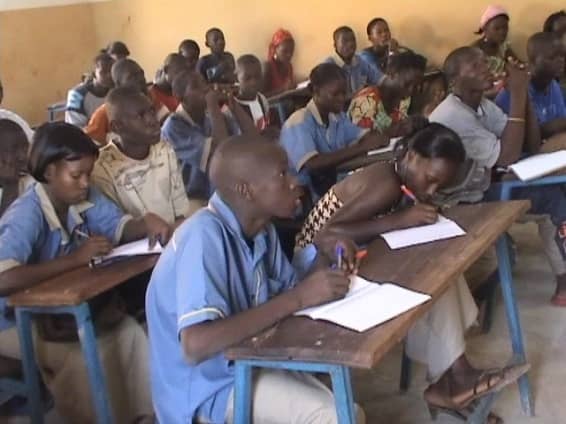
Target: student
{"points": [[118, 50], [435, 90], [556, 23], [161, 89], [198, 301], [279, 76], [219, 65], [320, 136], [424, 163], [491, 138], [385, 107], [190, 50], [546, 63], [137, 170], [125, 73], [7, 114], [13, 156], [250, 80], [88, 96], [358, 73], [383, 46], [44, 234], [494, 29]]}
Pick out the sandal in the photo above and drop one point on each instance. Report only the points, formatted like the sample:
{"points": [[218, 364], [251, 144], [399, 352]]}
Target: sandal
{"points": [[462, 414]]}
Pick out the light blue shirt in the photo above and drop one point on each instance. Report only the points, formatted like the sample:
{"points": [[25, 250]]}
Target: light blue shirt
{"points": [[304, 135], [208, 271], [31, 233], [359, 73], [548, 104]]}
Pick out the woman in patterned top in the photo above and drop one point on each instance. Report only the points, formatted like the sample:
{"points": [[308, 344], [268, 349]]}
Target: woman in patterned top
{"points": [[385, 107]]}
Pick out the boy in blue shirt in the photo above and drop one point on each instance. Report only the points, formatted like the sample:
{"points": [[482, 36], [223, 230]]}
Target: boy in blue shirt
{"points": [[546, 61], [359, 73], [219, 65], [224, 278]]}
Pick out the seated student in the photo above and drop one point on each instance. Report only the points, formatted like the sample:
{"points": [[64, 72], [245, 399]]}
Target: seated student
{"points": [[354, 208], [219, 65], [13, 157], [546, 62], [44, 234], [494, 28], [279, 75], [137, 170], [250, 80], [385, 107], [161, 88], [196, 128], [435, 90], [190, 50], [383, 46], [556, 23], [359, 73], [320, 136], [7, 114], [88, 96], [198, 301], [125, 73], [492, 138], [118, 50]]}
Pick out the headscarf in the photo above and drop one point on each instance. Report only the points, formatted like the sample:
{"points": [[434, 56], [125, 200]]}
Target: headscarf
{"points": [[492, 11], [280, 36]]}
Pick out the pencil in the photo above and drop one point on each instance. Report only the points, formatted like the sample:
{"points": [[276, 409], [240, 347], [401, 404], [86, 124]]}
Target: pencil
{"points": [[408, 193]]}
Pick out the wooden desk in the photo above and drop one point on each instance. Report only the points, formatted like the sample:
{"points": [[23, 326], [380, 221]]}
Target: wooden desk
{"points": [[69, 294], [430, 268], [363, 161]]}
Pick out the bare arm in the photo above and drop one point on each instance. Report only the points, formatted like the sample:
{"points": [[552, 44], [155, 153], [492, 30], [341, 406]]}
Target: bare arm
{"points": [[532, 136], [218, 122], [246, 123], [550, 128]]}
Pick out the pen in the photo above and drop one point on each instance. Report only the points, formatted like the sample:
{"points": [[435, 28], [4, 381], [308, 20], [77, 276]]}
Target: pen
{"points": [[360, 254], [408, 193], [339, 255], [82, 234]]}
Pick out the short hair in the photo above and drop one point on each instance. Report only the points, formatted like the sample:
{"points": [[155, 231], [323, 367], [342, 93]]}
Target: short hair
{"points": [[341, 30], [118, 47], [54, 141], [537, 42], [120, 66], [325, 73], [120, 97], [406, 60], [373, 23], [9, 128], [181, 81], [551, 21], [212, 30], [102, 58], [189, 44], [174, 59], [247, 59], [455, 59], [435, 141]]}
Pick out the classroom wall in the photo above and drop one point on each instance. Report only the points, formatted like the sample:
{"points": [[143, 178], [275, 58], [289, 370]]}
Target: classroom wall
{"points": [[43, 51]]}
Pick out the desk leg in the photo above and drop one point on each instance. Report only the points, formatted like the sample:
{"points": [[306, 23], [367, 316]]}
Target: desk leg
{"points": [[23, 319], [242, 393], [513, 322], [342, 388], [481, 412], [98, 388]]}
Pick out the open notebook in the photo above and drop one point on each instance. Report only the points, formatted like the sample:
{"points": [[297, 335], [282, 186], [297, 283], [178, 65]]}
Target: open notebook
{"points": [[135, 248], [367, 304], [444, 228], [389, 148], [539, 165]]}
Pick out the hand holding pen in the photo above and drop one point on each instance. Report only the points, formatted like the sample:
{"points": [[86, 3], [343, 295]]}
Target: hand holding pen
{"points": [[418, 214], [94, 246]]}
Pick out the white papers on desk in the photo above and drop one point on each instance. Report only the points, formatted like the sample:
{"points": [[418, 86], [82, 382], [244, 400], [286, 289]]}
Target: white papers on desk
{"points": [[367, 304], [135, 248], [303, 84], [389, 148], [444, 228], [539, 165]]}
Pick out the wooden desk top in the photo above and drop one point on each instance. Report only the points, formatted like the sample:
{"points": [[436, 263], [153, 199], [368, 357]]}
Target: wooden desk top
{"points": [[81, 284], [429, 268]]}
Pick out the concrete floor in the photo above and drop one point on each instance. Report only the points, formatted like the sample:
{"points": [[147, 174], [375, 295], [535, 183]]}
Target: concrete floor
{"points": [[544, 330]]}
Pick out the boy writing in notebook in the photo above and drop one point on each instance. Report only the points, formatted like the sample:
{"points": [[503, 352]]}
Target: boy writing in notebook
{"points": [[219, 65], [225, 278]]}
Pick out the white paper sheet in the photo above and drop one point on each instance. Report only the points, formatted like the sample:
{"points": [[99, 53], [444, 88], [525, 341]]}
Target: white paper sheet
{"points": [[389, 148], [444, 228], [367, 304], [539, 165], [135, 248]]}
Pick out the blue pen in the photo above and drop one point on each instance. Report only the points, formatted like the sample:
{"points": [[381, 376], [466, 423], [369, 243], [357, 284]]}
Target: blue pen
{"points": [[339, 255]]}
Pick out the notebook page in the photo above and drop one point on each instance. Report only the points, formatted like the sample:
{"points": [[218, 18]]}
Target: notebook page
{"points": [[444, 228], [389, 148], [140, 247], [539, 165]]}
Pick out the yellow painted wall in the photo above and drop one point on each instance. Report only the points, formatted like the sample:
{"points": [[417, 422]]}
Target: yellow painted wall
{"points": [[44, 51]]}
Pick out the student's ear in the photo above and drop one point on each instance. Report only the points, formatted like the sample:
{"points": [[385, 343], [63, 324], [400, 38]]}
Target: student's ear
{"points": [[243, 189], [116, 126], [49, 172]]}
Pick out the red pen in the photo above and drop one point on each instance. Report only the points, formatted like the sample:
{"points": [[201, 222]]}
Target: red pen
{"points": [[360, 254], [409, 193]]}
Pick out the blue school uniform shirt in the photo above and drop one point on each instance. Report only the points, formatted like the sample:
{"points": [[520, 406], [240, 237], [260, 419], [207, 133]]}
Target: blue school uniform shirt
{"points": [[31, 233], [193, 146], [208, 271], [359, 73], [369, 56], [304, 135], [548, 104]]}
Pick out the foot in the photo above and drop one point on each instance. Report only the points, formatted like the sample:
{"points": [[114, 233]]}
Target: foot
{"points": [[463, 414]]}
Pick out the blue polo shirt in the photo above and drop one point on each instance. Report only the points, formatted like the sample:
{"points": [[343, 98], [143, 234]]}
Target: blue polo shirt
{"points": [[304, 135], [548, 104], [30, 231], [193, 146], [208, 271], [359, 73]]}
